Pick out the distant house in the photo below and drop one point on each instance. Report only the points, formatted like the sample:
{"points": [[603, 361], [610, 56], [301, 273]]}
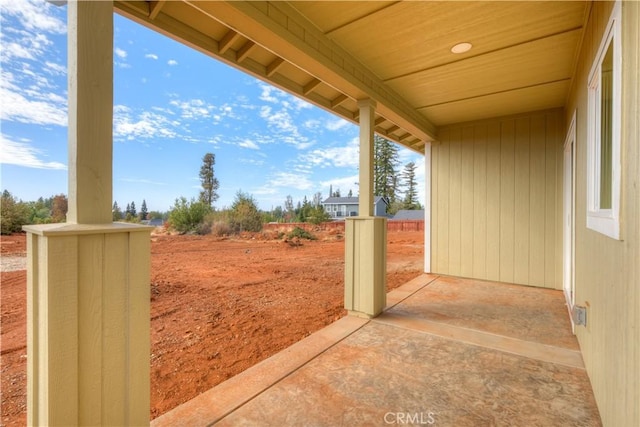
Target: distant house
{"points": [[409, 215], [341, 207], [155, 222]]}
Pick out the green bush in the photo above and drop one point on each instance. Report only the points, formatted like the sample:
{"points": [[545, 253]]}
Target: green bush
{"points": [[244, 214], [187, 216], [300, 233], [13, 214]]}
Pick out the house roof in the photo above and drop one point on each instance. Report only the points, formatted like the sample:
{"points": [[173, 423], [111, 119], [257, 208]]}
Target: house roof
{"points": [[410, 215], [522, 58], [347, 200]]}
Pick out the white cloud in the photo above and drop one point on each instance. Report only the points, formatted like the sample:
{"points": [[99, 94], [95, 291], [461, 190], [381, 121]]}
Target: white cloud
{"points": [[247, 143], [145, 125], [336, 124], [151, 56], [311, 124], [34, 15], [269, 93], [22, 154], [55, 69], [46, 109], [300, 103], [343, 157], [283, 125], [120, 53], [290, 180], [14, 50], [172, 62], [22, 45], [193, 108], [344, 184]]}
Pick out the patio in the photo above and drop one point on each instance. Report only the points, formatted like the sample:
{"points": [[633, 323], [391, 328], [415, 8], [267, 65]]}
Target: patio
{"points": [[446, 351]]}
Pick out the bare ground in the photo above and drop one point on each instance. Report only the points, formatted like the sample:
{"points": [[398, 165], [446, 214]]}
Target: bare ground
{"points": [[218, 306]]}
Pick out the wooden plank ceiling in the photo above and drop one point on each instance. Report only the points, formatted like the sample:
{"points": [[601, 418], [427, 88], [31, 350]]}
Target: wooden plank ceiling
{"points": [[399, 53]]}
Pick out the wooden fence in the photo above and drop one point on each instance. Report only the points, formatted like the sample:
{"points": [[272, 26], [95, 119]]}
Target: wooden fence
{"points": [[392, 225]]}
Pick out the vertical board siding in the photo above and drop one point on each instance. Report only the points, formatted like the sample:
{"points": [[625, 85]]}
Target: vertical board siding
{"points": [[537, 188], [522, 198], [442, 205], [495, 200], [607, 271], [479, 255], [455, 174], [507, 200], [467, 189]]}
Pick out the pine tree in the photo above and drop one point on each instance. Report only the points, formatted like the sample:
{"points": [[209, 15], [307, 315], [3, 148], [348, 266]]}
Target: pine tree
{"points": [[143, 210], [384, 168], [210, 184], [133, 211], [411, 193], [116, 213], [127, 211], [288, 207]]}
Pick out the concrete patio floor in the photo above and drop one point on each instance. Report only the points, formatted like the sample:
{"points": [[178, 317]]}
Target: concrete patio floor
{"points": [[446, 352]]}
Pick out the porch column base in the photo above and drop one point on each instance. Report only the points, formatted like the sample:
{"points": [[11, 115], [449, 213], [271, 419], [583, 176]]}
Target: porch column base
{"points": [[365, 288], [88, 324]]}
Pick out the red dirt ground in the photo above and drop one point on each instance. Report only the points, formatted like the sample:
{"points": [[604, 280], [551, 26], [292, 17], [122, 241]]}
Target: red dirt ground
{"points": [[218, 306]]}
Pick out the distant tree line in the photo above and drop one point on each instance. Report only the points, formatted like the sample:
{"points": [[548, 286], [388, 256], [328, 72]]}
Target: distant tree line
{"points": [[15, 213], [130, 213], [200, 216]]}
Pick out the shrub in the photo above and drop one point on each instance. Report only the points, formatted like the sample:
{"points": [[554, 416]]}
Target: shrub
{"points": [[186, 216], [244, 214], [13, 214], [221, 228], [300, 233]]}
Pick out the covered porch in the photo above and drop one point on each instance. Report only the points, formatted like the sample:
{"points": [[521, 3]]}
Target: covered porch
{"points": [[492, 124], [446, 351]]}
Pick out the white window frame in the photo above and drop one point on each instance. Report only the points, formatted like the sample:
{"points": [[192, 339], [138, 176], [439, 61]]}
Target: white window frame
{"points": [[605, 221]]}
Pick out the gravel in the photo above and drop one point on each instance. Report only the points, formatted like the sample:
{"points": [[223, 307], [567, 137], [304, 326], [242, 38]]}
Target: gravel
{"points": [[13, 263]]}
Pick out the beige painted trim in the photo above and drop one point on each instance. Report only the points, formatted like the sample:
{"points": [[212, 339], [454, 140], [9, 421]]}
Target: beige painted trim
{"points": [[367, 118], [427, 207], [90, 70]]}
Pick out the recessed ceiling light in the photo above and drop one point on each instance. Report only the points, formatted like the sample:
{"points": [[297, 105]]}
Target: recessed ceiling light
{"points": [[461, 47]]}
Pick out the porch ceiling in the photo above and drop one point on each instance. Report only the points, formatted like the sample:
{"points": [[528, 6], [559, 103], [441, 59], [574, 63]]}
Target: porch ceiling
{"points": [[398, 53]]}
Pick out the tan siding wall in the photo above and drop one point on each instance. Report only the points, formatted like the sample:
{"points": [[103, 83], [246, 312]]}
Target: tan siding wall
{"points": [[607, 270], [496, 206]]}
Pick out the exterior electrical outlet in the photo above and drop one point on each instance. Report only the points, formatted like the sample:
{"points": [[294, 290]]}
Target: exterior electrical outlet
{"points": [[579, 315]]}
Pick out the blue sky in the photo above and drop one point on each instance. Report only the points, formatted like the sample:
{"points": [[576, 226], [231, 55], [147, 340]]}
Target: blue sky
{"points": [[172, 105]]}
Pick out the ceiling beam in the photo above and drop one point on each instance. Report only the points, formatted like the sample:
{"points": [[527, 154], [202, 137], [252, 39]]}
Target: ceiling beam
{"points": [[245, 50], [154, 8], [379, 120], [311, 86], [273, 67], [287, 33], [338, 100], [225, 42], [392, 129]]}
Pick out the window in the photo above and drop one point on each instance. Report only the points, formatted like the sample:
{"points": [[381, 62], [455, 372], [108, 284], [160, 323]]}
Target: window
{"points": [[603, 144]]}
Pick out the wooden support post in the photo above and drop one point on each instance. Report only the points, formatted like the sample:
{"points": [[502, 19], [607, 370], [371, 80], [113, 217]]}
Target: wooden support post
{"points": [[367, 118], [88, 309], [366, 236]]}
